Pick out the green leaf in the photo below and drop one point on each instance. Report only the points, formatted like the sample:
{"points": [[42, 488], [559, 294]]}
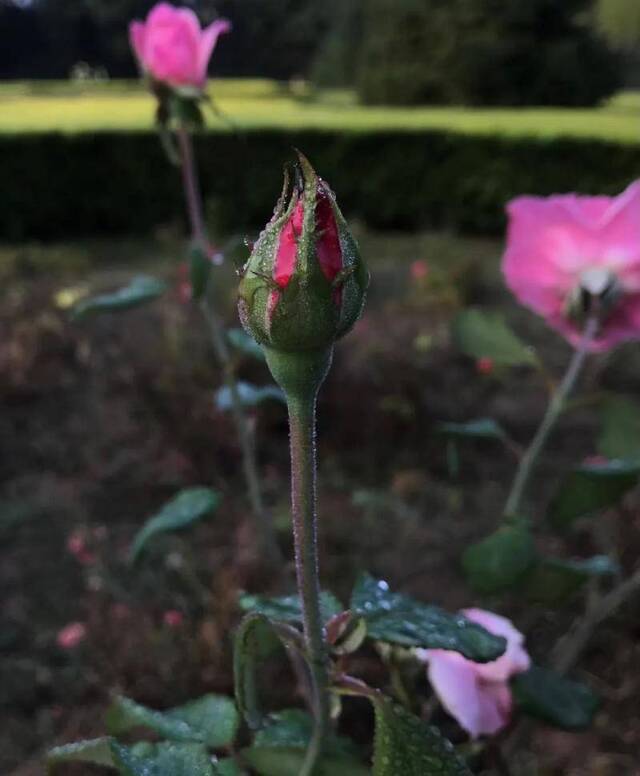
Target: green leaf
{"points": [[398, 619], [406, 746], [553, 580], [164, 759], [184, 509], [294, 727], [482, 428], [245, 344], [255, 640], [482, 334], [547, 696], [249, 395], [590, 488], [212, 720], [279, 749], [199, 270], [141, 289], [501, 560], [287, 761], [620, 433], [97, 751], [288, 608], [227, 767]]}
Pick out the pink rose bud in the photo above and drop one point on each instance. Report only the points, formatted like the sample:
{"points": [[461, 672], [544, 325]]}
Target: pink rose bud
{"points": [[478, 695], [173, 49], [485, 366], [304, 284], [71, 635], [172, 618], [570, 258], [419, 269], [77, 546]]}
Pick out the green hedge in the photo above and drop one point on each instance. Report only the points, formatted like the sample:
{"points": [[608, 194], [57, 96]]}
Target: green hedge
{"points": [[66, 186]]}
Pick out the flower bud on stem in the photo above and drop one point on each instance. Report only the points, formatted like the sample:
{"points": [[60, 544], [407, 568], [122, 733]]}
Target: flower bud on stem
{"points": [[300, 375]]}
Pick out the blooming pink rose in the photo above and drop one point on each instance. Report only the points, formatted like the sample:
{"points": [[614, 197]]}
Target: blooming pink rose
{"points": [[71, 635], [562, 248], [477, 695], [172, 47]]}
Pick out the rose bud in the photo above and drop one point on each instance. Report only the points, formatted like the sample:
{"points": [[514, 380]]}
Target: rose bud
{"points": [[172, 48], [304, 284], [173, 52]]}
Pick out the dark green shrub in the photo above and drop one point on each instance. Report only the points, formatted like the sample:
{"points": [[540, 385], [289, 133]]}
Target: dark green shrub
{"points": [[483, 52], [66, 186]]}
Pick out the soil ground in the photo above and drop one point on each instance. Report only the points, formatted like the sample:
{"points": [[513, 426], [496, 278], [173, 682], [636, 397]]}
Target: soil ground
{"points": [[104, 420]]}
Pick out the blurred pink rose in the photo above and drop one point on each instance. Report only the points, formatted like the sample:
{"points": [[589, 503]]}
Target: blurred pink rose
{"points": [[172, 618], [477, 695], [77, 546], [419, 269], [71, 635], [173, 48], [564, 250]]}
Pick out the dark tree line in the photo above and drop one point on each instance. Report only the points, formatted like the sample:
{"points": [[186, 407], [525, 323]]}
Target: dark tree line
{"points": [[485, 52], [46, 38]]}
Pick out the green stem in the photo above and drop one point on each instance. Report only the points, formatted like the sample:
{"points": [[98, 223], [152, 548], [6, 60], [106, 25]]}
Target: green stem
{"points": [[302, 425], [554, 410], [219, 343]]}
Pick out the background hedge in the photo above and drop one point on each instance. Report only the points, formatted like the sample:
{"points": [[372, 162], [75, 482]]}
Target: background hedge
{"points": [[66, 186]]}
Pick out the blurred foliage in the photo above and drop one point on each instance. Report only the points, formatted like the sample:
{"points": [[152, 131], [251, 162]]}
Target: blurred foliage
{"points": [[483, 52], [460, 51], [276, 38], [619, 20]]}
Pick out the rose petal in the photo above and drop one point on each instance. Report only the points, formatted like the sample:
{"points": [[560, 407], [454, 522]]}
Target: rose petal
{"points": [[208, 40], [137, 34], [456, 684], [515, 660]]}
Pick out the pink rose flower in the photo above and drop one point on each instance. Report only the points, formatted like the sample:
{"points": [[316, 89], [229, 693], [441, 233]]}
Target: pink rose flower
{"points": [[565, 252], [478, 695], [71, 635], [172, 47]]}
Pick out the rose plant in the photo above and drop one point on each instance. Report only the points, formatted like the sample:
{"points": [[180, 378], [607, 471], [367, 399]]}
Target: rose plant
{"points": [[173, 52], [574, 260]]}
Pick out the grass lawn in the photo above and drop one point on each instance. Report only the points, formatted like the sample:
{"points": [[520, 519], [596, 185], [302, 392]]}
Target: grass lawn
{"points": [[71, 107]]}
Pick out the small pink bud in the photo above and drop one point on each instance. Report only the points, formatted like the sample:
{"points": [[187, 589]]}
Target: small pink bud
{"points": [[419, 269], [485, 366], [71, 635], [304, 284], [76, 544], [595, 460], [172, 618]]}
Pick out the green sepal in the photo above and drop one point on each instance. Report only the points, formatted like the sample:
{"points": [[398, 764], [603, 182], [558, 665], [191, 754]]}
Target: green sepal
{"points": [[299, 374]]}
